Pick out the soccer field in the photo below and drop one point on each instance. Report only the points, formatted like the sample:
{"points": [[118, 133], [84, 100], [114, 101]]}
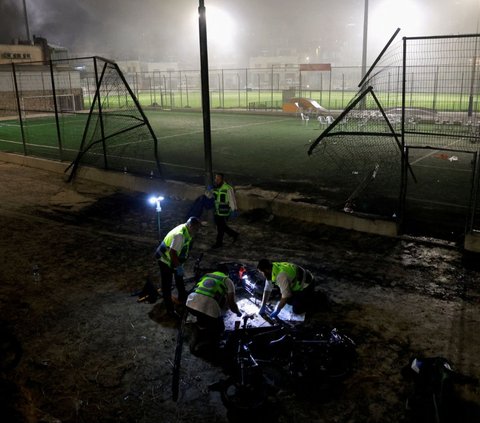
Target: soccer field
{"points": [[247, 147], [269, 147], [269, 151]]}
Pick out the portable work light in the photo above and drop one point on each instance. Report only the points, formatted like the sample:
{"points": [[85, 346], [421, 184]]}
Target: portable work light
{"points": [[156, 200]]}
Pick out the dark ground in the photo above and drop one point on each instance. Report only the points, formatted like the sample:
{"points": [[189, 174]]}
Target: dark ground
{"points": [[92, 354]]}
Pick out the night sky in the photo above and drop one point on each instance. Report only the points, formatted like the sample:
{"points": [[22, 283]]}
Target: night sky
{"points": [[167, 30]]}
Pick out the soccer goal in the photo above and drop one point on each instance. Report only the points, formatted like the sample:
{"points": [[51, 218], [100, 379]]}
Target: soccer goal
{"points": [[65, 103], [117, 134]]}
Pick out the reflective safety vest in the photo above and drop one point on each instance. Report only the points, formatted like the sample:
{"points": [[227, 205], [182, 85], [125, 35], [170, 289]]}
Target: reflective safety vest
{"points": [[222, 203], [213, 285], [295, 274], [164, 247]]}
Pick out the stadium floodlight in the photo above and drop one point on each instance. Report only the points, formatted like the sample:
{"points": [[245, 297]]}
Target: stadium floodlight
{"points": [[156, 200]]}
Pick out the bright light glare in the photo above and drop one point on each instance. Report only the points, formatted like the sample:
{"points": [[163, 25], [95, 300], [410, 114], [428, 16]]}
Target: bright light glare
{"points": [[155, 200], [220, 27], [386, 16], [389, 15]]}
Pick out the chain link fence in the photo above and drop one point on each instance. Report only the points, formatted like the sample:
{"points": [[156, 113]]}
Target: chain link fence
{"points": [[410, 138], [244, 89], [425, 97]]}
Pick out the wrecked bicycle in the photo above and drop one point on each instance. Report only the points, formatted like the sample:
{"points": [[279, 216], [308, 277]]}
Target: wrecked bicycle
{"points": [[259, 360]]}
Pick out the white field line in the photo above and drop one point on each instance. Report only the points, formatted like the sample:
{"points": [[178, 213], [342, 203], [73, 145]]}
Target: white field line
{"points": [[198, 132], [442, 203], [31, 125], [167, 136], [101, 155], [29, 144], [10, 141], [442, 168], [422, 200], [161, 138], [223, 129], [14, 125], [432, 153]]}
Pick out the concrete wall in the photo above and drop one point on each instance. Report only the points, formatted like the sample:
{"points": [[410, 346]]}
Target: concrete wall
{"points": [[472, 242], [247, 199]]}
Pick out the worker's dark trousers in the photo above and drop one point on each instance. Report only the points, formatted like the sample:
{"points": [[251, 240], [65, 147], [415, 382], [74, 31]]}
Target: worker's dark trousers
{"points": [[166, 275], [303, 301], [223, 228], [214, 326]]}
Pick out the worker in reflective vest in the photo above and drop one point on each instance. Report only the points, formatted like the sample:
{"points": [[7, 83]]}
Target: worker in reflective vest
{"points": [[296, 286], [208, 302], [171, 254], [225, 208], [210, 298]]}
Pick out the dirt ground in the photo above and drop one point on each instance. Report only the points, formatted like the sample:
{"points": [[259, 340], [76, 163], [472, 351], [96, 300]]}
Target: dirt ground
{"points": [[92, 353]]}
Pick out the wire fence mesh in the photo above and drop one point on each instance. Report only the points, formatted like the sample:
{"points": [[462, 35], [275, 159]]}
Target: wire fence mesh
{"points": [[422, 93], [416, 120]]}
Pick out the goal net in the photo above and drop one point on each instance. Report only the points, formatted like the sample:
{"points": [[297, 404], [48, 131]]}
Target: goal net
{"points": [[117, 134], [65, 103]]}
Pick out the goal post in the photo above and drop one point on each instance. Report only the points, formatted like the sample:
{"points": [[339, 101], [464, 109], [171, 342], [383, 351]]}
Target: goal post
{"points": [[117, 134], [46, 103]]}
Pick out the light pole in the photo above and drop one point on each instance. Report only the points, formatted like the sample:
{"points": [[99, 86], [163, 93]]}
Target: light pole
{"points": [[207, 132], [156, 201], [26, 22], [472, 82], [364, 50], [365, 35]]}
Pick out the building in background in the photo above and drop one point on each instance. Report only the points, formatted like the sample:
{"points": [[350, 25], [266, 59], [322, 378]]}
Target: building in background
{"points": [[44, 80], [38, 52]]}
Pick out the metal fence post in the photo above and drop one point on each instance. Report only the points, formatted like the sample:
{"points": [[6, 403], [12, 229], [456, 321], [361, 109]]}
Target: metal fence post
{"points": [[55, 107], [17, 95], [100, 109], [474, 194]]}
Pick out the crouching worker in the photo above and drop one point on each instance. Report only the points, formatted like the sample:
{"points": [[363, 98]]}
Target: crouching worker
{"points": [[208, 302], [171, 254], [296, 286]]}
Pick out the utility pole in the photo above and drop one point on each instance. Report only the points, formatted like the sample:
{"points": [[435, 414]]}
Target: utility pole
{"points": [[26, 21], [472, 79], [365, 34], [207, 133], [364, 49]]}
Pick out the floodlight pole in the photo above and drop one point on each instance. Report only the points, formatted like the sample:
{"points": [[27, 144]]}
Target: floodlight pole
{"points": [[26, 22], [364, 49], [207, 134], [472, 81], [365, 34]]}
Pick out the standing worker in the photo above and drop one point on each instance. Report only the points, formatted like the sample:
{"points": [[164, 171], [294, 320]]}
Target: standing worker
{"points": [[171, 254], [296, 286], [210, 298], [225, 207]]}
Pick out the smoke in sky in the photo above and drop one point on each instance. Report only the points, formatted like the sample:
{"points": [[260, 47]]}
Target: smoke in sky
{"points": [[167, 30]]}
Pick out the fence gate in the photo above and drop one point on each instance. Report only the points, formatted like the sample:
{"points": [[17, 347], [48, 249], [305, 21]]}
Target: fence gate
{"points": [[439, 203]]}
